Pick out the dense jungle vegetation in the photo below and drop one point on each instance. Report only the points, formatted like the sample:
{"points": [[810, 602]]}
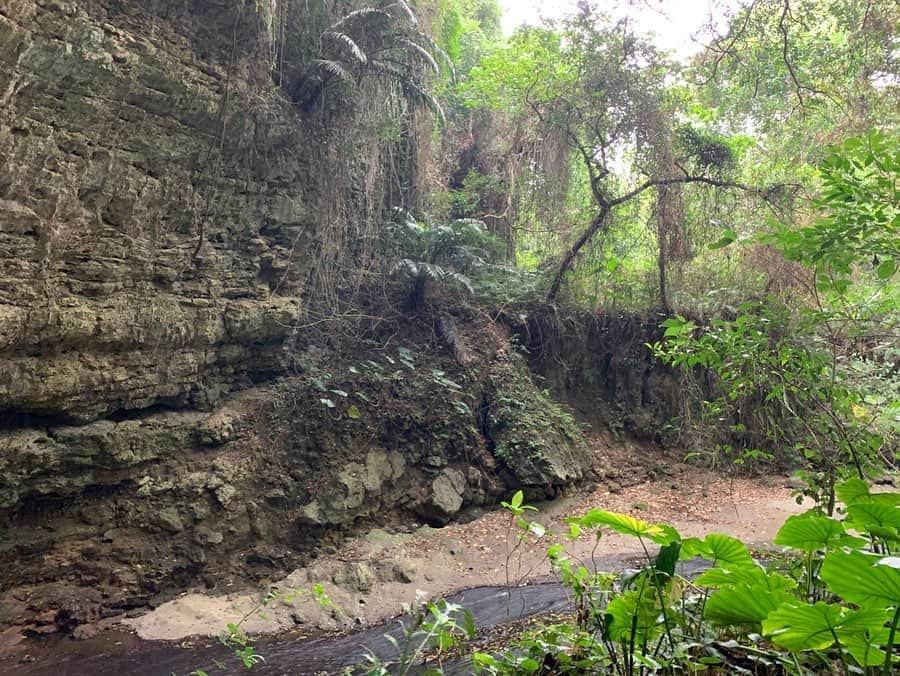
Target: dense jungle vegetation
{"points": [[745, 199], [373, 224]]}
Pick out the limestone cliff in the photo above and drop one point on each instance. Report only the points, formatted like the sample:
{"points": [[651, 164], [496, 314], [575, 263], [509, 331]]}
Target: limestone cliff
{"points": [[164, 421], [151, 199], [109, 122]]}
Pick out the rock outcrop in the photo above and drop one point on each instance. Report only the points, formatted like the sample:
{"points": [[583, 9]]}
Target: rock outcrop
{"points": [[154, 214], [145, 220], [158, 219]]}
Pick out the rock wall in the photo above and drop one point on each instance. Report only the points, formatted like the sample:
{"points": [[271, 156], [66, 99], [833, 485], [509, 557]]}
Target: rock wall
{"points": [[119, 161], [155, 214], [601, 367], [159, 206]]}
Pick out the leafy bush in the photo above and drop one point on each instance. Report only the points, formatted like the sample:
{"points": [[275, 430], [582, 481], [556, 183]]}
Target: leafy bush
{"points": [[780, 390], [833, 600]]}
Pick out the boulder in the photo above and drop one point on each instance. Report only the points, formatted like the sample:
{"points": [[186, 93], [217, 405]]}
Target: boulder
{"points": [[445, 498]]}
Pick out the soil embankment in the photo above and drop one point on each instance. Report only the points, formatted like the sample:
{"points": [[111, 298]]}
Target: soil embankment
{"points": [[371, 578]]}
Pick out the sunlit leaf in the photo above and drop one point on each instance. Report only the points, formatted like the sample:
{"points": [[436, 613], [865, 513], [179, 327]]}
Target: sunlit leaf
{"points": [[722, 550], [856, 577], [743, 605], [799, 626], [811, 533], [877, 519], [623, 523]]}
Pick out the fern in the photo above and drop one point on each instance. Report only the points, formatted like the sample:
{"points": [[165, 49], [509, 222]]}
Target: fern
{"points": [[346, 41], [364, 14], [437, 253], [334, 68], [420, 96], [383, 42], [420, 51], [405, 9]]}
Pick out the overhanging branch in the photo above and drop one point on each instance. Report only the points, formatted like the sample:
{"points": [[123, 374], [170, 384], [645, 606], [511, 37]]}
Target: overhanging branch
{"points": [[600, 221]]}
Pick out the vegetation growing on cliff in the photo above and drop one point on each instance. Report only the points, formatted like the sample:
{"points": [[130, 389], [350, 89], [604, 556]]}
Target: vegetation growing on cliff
{"points": [[378, 219], [750, 197]]}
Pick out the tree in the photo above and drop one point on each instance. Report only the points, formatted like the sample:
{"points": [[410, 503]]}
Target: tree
{"points": [[605, 90]]}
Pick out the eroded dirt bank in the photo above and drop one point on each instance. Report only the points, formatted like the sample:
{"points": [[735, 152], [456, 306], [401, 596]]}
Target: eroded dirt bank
{"points": [[371, 578]]}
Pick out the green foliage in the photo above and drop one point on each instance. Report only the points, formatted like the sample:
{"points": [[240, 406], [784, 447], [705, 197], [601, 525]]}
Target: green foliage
{"points": [[380, 41], [802, 627], [463, 26], [735, 612], [237, 640], [625, 524], [802, 68], [436, 628], [860, 223], [778, 387], [722, 550], [708, 152], [525, 422], [442, 253], [814, 533]]}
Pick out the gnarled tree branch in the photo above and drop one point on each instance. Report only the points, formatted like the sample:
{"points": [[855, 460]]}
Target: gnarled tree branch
{"points": [[601, 220]]}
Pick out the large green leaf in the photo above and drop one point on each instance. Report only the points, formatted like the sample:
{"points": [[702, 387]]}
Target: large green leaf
{"points": [[853, 491], [746, 595], [743, 605], [811, 533], [869, 581], [635, 610], [722, 550], [856, 491], [799, 626], [754, 577], [627, 525], [877, 519], [865, 646]]}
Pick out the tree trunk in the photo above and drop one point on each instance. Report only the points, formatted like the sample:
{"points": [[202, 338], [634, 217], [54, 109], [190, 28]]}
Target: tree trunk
{"points": [[597, 225], [663, 286]]}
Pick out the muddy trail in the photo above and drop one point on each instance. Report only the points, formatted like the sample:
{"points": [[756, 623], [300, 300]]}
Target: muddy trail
{"points": [[474, 564]]}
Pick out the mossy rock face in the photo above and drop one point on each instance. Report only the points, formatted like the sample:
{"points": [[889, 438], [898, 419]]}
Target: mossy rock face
{"points": [[537, 439]]}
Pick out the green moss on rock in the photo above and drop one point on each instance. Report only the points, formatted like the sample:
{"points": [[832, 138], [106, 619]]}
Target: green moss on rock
{"points": [[537, 438]]}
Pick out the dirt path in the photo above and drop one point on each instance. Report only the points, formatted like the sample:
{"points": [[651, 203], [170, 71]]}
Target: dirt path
{"points": [[372, 578]]}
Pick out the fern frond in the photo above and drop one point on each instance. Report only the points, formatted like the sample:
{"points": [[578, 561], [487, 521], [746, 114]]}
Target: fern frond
{"points": [[406, 267], [436, 49], [460, 279], [421, 52], [405, 9], [349, 43], [470, 256], [405, 230], [404, 217], [414, 92], [364, 14], [335, 68], [473, 225], [419, 96], [432, 271], [387, 69]]}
